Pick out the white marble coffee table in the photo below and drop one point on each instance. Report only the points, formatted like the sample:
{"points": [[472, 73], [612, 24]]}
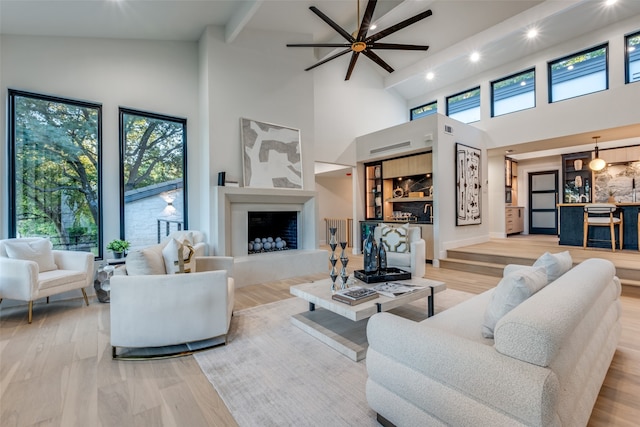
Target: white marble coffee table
{"points": [[343, 326]]}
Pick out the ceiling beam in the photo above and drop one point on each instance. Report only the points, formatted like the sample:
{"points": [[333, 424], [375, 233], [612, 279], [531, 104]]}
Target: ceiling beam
{"points": [[240, 19]]}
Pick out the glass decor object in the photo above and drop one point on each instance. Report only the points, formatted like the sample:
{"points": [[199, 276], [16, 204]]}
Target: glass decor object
{"points": [[370, 254], [333, 244], [382, 257], [344, 260]]}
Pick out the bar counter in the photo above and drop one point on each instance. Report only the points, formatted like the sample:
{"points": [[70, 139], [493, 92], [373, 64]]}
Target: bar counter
{"points": [[571, 226]]}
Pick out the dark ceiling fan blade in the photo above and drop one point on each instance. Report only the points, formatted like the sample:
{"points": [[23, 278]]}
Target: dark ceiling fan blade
{"points": [[333, 25], [375, 58], [392, 29], [366, 19], [397, 46], [319, 45], [352, 64], [324, 61]]}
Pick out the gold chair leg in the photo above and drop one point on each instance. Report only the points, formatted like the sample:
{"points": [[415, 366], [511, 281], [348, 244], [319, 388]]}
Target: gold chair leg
{"points": [[30, 317], [585, 234], [613, 237], [84, 294]]}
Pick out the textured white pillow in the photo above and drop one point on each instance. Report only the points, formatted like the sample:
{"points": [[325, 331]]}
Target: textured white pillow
{"points": [[512, 290], [395, 239], [555, 264], [40, 251]]}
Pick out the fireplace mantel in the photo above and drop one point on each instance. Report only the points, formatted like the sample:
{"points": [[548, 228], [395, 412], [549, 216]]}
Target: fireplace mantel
{"points": [[230, 205]]}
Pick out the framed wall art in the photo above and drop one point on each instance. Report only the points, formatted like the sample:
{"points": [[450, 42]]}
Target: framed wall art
{"points": [[271, 156], [468, 185]]}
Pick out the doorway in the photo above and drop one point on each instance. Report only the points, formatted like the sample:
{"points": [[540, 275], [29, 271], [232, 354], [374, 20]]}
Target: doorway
{"points": [[543, 199]]}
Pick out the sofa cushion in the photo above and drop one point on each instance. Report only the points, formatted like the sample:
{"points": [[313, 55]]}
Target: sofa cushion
{"points": [[39, 251], [512, 290], [145, 261], [555, 264], [395, 239]]}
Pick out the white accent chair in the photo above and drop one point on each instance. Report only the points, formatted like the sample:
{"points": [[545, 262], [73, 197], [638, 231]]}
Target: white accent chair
{"points": [[190, 310], [414, 260], [25, 279]]}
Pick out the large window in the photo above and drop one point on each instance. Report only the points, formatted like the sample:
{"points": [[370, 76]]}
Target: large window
{"points": [[513, 93], [54, 168], [464, 106], [579, 74], [153, 172], [632, 57], [424, 110]]}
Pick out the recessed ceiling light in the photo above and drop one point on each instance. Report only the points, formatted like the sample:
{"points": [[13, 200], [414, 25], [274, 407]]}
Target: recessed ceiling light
{"points": [[373, 26], [610, 2], [430, 75], [532, 33], [475, 57]]}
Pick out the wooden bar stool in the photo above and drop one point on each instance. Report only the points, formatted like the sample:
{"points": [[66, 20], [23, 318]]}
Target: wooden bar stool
{"points": [[601, 215]]}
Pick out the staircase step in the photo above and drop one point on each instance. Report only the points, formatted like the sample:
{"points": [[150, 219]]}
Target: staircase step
{"points": [[488, 258], [477, 267]]}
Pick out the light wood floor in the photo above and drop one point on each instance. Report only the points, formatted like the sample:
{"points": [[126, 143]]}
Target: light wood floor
{"points": [[58, 371]]}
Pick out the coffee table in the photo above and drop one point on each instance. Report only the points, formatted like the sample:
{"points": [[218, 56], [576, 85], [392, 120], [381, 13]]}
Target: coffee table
{"points": [[343, 326]]}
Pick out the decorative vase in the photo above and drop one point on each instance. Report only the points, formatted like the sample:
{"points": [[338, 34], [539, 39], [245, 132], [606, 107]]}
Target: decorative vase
{"points": [[333, 244], [577, 164], [382, 257], [344, 260], [370, 254]]}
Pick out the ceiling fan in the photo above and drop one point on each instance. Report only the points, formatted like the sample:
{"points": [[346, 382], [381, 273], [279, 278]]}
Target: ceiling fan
{"points": [[360, 43]]}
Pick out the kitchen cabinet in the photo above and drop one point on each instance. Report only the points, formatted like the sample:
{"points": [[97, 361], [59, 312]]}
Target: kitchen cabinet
{"points": [[373, 191], [577, 180], [418, 164], [514, 219]]}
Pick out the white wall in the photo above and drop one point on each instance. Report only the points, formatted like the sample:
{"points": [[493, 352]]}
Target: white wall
{"points": [[160, 77], [603, 110], [335, 200]]}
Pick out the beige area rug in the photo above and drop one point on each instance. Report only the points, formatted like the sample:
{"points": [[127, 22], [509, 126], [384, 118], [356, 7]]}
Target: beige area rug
{"points": [[272, 373]]}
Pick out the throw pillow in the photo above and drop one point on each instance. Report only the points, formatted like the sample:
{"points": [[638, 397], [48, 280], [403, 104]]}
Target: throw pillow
{"points": [[395, 239], [177, 257], [39, 251], [512, 290], [145, 261], [555, 264]]}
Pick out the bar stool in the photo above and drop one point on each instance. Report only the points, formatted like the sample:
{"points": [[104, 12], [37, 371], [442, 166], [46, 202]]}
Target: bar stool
{"points": [[601, 215]]}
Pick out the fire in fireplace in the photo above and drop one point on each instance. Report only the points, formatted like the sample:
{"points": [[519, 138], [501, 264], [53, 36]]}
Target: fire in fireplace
{"points": [[272, 231]]}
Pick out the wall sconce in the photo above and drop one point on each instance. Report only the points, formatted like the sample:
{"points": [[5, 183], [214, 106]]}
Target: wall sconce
{"points": [[597, 164], [169, 211]]}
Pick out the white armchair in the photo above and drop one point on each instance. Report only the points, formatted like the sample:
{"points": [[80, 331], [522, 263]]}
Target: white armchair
{"points": [[190, 310], [414, 259], [30, 269]]}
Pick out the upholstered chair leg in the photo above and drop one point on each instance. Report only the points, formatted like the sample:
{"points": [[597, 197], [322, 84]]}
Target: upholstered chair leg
{"points": [[30, 316], [84, 294]]}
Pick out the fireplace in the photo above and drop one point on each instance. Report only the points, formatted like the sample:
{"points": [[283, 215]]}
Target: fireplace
{"points": [[231, 209], [272, 231]]}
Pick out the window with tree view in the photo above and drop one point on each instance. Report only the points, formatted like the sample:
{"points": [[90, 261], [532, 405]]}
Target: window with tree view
{"points": [[513, 93], [578, 74], [153, 161], [424, 110], [55, 170], [633, 57], [464, 106]]}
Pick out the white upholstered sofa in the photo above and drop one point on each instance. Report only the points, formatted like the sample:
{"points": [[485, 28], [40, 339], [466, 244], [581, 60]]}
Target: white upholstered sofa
{"points": [[154, 310], [31, 269], [544, 367], [409, 257]]}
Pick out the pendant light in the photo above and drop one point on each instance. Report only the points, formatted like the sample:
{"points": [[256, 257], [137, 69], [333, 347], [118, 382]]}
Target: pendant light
{"points": [[597, 164]]}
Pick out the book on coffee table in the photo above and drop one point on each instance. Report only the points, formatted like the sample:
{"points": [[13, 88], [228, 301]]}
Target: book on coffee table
{"points": [[354, 295], [394, 289]]}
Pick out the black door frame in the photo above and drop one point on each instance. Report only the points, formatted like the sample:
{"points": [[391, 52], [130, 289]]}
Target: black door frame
{"points": [[549, 231]]}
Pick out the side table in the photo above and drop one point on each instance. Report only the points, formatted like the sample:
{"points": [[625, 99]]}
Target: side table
{"points": [[101, 284]]}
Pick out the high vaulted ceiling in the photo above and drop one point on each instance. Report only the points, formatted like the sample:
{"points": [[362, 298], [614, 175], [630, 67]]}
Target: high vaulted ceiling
{"points": [[494, 28]]}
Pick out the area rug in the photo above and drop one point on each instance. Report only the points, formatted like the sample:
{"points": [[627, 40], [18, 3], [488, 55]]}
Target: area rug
{"points": [[272, 373]]}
